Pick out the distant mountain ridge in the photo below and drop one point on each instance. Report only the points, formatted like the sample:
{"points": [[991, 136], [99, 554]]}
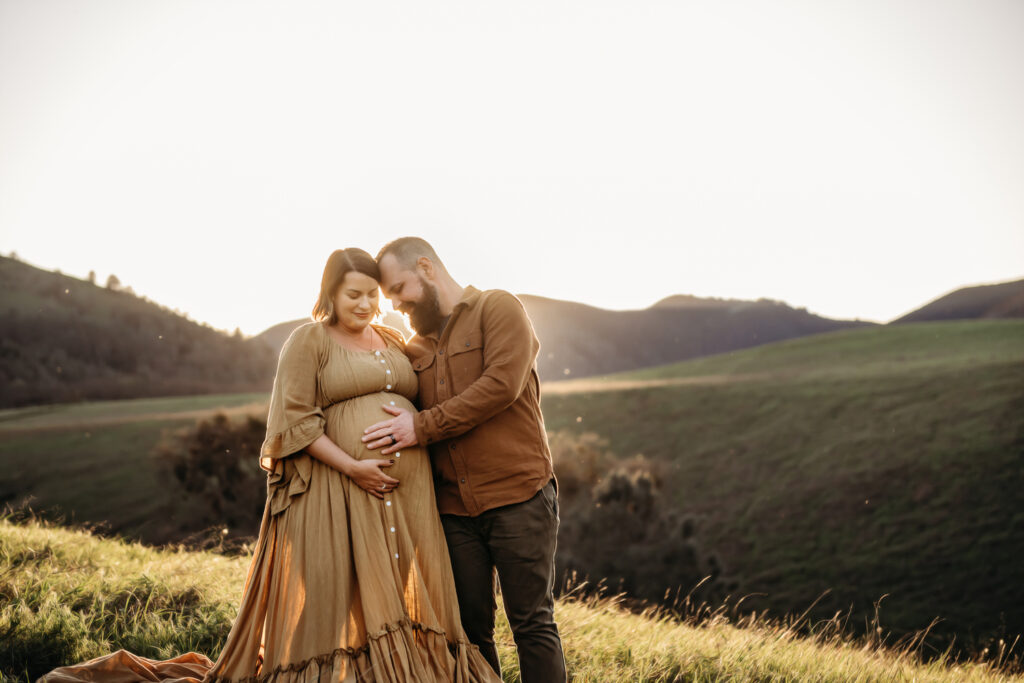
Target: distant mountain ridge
{"points": [[66, 339], [1002, 300], [581, 341], [691, 301], [588, 341], [578, 340]]}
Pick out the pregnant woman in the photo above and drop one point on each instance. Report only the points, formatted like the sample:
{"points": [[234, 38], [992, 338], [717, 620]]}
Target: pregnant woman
{"points": [[351, 579]]}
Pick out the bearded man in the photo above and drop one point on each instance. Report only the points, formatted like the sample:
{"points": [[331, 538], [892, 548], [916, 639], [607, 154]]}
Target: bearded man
{"points": [[475, 355]]}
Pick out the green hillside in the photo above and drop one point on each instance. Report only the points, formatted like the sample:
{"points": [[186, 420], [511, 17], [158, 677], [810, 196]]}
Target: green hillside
{"points": [[67, 339], [853, 465], [94, 462], [886, 461], [1001, 300], [66, 596]]}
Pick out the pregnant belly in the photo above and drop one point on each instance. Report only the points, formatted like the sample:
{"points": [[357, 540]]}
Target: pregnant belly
{"points": [[346, 421]]}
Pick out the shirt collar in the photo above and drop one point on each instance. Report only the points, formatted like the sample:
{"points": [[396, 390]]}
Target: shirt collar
{"points": [[470, 295]]}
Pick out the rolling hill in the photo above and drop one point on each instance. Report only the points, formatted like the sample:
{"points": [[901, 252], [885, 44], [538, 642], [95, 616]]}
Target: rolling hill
{"points": [[67, 339], [582, 341], [848, 466], [1002, 300]]}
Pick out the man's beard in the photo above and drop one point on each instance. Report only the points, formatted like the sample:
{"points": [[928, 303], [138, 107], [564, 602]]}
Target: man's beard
{"points": [[425, 315]]}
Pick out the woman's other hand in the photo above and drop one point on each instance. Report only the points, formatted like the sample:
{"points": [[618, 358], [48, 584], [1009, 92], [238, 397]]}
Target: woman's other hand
{"points": [[369, 476]]}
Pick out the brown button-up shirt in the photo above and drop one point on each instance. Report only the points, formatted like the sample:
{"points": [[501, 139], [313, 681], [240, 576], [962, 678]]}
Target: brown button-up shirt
{"points": [[479, 400]]}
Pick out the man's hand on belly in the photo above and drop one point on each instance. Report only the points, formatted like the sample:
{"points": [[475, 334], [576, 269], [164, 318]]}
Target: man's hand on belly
{"points": [[394, 434]]}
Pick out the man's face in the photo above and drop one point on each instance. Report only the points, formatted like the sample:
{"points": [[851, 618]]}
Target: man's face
{"points": [[411, 294]]}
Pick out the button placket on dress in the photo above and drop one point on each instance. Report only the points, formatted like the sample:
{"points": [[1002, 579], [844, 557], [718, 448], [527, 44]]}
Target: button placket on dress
{"points": [[389, 520], [389, 513], [387, 370], [399, 453]]}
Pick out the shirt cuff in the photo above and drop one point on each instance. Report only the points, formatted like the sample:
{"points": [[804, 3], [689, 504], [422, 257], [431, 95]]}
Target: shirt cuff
{"points": [[420, 423]]}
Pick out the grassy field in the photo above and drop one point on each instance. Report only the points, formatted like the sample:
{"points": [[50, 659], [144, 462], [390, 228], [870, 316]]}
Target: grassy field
{"points": [[883, 462], [77, 415], [92, 462], [66, 596], [846, 467]]}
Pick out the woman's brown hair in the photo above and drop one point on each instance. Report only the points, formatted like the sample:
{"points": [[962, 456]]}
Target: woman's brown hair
{"points": [[339, 264]]}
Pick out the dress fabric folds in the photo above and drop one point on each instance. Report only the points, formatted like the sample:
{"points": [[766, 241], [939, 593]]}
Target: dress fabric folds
{"points": [[342, 586]]}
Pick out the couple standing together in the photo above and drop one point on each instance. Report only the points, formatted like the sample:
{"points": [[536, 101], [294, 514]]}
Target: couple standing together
{"points": [[356, 576]]}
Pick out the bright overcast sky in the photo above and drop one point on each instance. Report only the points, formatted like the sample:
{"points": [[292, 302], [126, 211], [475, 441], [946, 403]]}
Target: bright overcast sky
{"points": [[857, 158]]}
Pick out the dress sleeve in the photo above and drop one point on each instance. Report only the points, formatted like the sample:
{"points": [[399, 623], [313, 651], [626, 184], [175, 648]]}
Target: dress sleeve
{"points": [[295, 420]]}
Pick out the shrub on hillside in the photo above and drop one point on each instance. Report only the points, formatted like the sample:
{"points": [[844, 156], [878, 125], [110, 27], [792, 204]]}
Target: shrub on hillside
{"points": [[215, 465], [617, 529]]}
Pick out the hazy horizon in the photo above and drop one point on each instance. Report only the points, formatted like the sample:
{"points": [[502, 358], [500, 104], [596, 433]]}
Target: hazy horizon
{"points": [[101, 282], [857, 159]]}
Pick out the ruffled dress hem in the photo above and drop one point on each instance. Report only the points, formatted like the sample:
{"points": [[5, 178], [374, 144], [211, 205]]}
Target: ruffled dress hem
{"points": [[403, 652]]}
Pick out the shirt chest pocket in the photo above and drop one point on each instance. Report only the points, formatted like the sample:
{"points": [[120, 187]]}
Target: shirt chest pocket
{"points": [[426, 373], [466, 359]]}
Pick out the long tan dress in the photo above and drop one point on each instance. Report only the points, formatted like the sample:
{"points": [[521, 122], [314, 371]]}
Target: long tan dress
{"points": [[343, 586]]}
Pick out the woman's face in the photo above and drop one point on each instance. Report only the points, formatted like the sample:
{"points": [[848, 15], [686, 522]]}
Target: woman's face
{"points": [[355, 302]]}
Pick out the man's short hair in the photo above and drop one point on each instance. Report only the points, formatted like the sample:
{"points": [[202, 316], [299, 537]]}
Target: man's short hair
{"points": [[407, 250]]}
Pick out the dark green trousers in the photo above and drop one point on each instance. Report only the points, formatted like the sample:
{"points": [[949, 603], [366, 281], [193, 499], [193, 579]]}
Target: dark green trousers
{"points": [[516, 542]]}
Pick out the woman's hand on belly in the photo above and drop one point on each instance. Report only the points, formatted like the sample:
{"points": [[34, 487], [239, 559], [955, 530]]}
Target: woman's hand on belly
{"points": [[369, 476]]}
